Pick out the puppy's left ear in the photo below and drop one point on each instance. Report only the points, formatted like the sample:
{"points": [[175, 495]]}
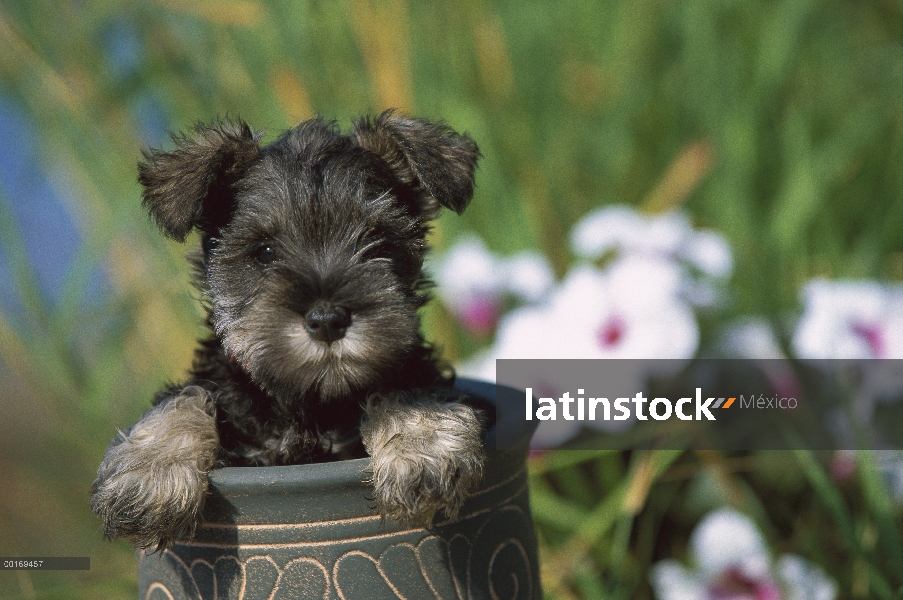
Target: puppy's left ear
{"points": [[437, 163]]}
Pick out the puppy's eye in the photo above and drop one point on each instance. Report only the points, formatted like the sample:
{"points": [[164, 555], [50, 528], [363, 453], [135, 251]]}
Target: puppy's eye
{"points": [[265, 254]]}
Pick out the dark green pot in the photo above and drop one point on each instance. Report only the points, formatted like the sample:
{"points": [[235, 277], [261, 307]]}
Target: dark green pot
{"points": [[311, 531]]}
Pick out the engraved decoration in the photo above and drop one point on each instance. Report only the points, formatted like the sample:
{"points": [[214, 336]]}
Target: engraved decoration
{"points": [[489, 552]]}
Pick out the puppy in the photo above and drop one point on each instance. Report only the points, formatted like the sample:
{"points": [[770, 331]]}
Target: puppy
{"points": [[312, 274]]}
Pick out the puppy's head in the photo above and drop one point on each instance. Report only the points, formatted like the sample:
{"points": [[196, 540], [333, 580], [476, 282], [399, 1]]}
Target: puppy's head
{"points": [[314, 245]]}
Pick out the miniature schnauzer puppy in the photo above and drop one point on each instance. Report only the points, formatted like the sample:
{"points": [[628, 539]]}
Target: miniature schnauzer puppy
{"points": [[311, 270]]}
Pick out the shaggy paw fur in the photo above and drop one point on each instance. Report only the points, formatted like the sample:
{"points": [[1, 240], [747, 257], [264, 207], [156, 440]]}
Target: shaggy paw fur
{"points": [[152, 483], [426, 455]]}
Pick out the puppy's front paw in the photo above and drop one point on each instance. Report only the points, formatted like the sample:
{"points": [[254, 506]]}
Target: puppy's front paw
{"points": [[426, 456], [152, 483]]}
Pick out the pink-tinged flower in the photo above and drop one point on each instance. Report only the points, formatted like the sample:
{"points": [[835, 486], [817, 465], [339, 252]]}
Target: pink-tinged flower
{"points": [[855, 320], [470, 284], [732, 563], [850, 319], [631, 310], [473, 282], [479, 314], [843, 466]]}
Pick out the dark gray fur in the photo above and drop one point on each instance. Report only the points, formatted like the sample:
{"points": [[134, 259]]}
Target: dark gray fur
{"points": [[316, 228]]}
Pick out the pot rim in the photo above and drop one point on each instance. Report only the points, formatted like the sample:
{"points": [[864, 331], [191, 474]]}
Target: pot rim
{"points": [[334, 474], [287, 478]]}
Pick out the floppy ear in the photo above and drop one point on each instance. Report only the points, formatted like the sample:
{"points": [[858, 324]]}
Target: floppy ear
{"points": [[437, 163], [191, 185]]}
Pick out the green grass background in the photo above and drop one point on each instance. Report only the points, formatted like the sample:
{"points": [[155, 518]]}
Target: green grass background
{"points": [[779, 123]]}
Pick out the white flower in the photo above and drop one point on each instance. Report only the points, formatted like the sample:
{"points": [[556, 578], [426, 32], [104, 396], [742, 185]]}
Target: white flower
{"points": [[703, 255], [855, 320], [804, 580], [850, 319], [622, 229], [732, 562], [470, 281], [609, 228], [473, 282], [668, 235], [528, 276], [626, 312], [750, 338], [708, 252], [629, 311]]}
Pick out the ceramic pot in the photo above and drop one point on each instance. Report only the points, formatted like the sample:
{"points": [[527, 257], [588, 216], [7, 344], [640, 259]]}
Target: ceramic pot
{"points": [[311, 531]]}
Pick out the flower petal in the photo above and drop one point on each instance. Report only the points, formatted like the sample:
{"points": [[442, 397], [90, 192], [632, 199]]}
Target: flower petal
{"points": [[726, 538], [850, 319], [751, 338], [804, 580], [528, 275], [606, 229], [468, 268], [709, 252], [663, 235], [671, 581], [648, 280]]}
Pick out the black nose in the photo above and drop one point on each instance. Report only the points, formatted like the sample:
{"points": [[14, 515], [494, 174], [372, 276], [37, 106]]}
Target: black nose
{"points": [[327, 324]]}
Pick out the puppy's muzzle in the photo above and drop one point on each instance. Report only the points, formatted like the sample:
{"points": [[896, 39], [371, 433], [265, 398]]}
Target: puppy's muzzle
{"points": [[327, 324]]}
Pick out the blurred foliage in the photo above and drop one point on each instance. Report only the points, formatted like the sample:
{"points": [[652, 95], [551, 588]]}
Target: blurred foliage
{"points": [[778, 123]]}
